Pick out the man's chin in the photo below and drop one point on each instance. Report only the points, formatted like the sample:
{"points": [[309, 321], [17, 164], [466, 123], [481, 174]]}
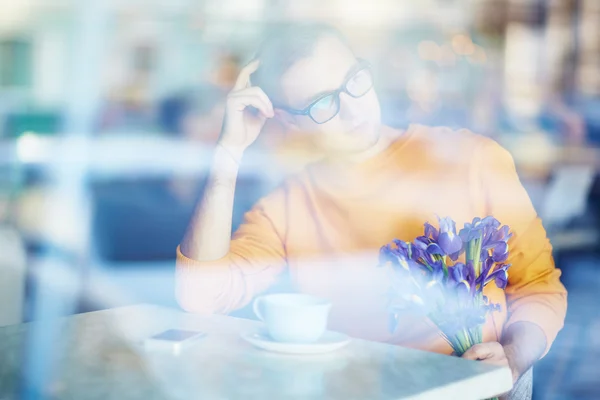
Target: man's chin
{"points": [[353, 145], [364, 143]]}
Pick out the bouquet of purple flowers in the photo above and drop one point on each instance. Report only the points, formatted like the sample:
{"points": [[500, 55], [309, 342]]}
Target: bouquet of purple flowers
{"points": [[428, 277]]}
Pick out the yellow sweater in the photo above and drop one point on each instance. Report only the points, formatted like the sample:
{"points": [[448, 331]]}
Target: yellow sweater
{"points": [[326, 225]]}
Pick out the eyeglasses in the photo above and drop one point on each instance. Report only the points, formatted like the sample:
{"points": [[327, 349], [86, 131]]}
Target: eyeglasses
{"points": [[327, 106]]}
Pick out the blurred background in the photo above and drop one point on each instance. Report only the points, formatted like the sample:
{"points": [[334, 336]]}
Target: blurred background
{"points": [[109, 111]]}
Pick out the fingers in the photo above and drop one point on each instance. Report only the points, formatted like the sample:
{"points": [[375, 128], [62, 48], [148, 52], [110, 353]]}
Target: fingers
{"points": [[243, 96], [244, 76], [254, 97], [482, 351], [263, 96], [241, 102]]}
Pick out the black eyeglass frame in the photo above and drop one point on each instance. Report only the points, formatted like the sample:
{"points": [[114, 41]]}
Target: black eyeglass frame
{"points": [[360, 66]]}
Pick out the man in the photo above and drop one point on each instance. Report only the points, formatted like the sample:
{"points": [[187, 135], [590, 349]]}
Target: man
{"points": [[325, 225]]}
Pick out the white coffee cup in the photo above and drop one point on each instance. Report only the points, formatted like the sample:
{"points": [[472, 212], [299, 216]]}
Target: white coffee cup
{"points": [[293, 318]]}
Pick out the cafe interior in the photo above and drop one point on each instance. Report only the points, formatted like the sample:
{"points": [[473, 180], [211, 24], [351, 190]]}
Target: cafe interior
{"points": [[110, 111]]}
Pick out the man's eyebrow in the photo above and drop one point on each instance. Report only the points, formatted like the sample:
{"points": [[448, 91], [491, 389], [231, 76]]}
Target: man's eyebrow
{"points": [[311, 99]]}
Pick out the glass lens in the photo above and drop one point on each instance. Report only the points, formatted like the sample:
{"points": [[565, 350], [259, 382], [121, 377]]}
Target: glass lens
{"points": [[325, 109], [360, 83]]}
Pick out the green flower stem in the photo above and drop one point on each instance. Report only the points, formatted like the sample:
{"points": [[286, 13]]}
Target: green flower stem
{"points": [[445, 266], [473, 251], [462, 339]]}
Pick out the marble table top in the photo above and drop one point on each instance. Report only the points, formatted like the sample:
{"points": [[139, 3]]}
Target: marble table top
{"points": [[102, 357]]}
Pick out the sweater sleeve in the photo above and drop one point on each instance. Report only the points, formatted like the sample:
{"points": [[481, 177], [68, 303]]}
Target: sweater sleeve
{"points": [[534, 292], [255, 260]]}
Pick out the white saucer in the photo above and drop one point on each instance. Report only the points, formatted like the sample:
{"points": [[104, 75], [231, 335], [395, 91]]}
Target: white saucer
{"points": [[330, 341]]}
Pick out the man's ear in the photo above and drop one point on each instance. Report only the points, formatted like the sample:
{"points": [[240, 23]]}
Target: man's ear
{"points": [[286, 120]]}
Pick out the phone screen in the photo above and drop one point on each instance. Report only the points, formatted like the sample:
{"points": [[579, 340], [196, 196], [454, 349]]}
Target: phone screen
{"points": [[177, 335]]}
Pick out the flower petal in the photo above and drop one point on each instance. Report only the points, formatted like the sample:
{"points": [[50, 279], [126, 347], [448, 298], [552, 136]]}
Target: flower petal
{"points": [[450, 243], [501, 279], [422, 242], [500, 253], [457, 272], [487, 265], [490, 221], [435, 249], [385, 255], [431, 231]]}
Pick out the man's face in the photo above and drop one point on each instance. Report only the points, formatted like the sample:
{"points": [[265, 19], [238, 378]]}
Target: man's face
{"points": [[356, 127]]}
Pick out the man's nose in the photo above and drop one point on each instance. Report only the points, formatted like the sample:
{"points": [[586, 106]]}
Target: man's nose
{"points": [[349, 107]]}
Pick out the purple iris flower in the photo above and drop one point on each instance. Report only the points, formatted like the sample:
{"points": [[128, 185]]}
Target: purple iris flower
{"points": [[403, 257], [387, 254], [501, 279], [464, 277], [471, 230], [394, 256], [451, 295], [502, 234], [401, 244], [434, 249], [487, 266], [457, 272], [492, 236], [448, 240], [490, 221], [479, 228], [432, 257], [500, 252], [463, 291], [421, 242], [499, 276], [431, 232]]}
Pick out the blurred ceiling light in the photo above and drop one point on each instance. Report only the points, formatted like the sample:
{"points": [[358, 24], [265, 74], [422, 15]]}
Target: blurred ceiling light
{"points": [[462, 45], [136, 8], [364, 12], [523, 90], [522, 52], [429, 50], [479, 56], [447, 56], [32, 148], [423, 89], [235, 9], [15, 14]]}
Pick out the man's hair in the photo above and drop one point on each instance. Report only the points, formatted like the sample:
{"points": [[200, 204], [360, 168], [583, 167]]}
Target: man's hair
{"points": [[283, 46]]}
